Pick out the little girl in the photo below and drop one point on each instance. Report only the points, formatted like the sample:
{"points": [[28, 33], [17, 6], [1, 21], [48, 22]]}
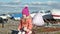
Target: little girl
{"points": [[25, 25]]}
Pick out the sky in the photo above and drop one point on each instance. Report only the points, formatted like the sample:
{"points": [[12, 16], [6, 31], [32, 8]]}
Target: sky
{"points": [[9, 0], [29, 1], [13, 7]]}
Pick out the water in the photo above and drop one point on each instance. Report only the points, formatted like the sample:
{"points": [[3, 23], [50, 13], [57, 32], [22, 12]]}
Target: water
{"points": [[16, 15]]}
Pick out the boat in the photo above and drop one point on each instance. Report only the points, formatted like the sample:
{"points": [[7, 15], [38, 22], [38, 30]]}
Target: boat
{"points": [[55, 13]]}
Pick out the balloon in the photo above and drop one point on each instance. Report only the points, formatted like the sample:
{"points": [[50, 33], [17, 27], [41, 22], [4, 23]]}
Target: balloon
{"points": [[38, 20]]}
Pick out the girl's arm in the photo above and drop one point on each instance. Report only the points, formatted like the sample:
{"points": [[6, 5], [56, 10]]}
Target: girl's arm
{"points": [[30, 25]]}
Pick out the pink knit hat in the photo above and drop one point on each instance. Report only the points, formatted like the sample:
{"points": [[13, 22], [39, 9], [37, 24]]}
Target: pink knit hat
{"points": [[25, 11]]}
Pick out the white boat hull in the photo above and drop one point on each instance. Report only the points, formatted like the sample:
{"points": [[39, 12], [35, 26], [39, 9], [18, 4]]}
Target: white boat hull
{"points": [[56, 13]]}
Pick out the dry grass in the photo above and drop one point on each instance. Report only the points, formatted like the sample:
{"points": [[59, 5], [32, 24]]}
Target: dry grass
{"points": [[9, 26]]}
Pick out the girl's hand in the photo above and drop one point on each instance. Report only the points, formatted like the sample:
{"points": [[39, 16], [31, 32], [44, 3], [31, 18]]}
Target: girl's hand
{"points": [[25, 28], [18, 29]]}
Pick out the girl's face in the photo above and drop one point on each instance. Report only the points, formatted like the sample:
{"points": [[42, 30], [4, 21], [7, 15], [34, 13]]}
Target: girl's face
{"points": [[24, 16]]}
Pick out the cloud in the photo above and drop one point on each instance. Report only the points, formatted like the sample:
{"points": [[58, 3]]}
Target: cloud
{"points": [[16, 0], [51, 2], [10, 5], [36, 2], [47, 2]]}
